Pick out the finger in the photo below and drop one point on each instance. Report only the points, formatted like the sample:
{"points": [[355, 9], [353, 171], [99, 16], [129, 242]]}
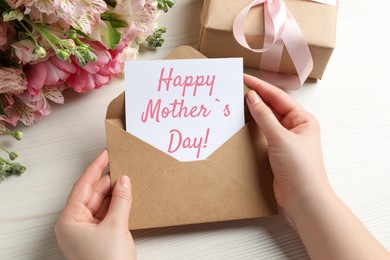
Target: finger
{"points": [[263, 116], [118, 212], [277, 114], [102, 211], [84, 187], [276, 98], [95, 169], [101, 190]]}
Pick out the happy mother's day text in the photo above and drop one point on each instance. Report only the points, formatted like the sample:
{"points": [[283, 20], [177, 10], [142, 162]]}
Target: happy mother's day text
{"points": [[184, 87]]}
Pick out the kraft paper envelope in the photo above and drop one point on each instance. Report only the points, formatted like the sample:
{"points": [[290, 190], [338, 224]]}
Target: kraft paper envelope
{"points": [[235, 182]]}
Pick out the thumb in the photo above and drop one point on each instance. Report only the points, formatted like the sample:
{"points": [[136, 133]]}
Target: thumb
{"points": [[263, 116], [120, 205]]}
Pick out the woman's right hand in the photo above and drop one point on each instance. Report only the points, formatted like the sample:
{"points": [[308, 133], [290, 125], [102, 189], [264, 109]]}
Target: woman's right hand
{"points": [[293, 136]]}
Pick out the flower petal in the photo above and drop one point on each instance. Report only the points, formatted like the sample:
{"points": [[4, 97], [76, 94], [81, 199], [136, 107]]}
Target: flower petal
{"points": [[36, 75], [54, 94]]}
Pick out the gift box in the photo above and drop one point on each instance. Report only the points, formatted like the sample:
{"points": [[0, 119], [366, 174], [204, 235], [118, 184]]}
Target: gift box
{"points": [[234, 182], [317, 22]]}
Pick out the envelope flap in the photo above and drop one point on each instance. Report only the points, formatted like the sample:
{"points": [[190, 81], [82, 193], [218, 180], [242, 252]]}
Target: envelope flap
{"points": [[184, 52], [116, 108], [248, 150], [133, 157], [204, 192], [235, 182]]}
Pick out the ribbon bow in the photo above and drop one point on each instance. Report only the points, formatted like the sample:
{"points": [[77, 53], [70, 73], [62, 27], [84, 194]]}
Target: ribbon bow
{"points": [[280, 29]]}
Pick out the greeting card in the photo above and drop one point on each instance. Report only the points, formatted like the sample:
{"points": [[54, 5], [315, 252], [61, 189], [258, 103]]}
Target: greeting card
{"points": [[185, 108]]}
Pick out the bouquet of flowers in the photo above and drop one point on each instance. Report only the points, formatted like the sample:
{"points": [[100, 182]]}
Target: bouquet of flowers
{"points": [[47, 47]]}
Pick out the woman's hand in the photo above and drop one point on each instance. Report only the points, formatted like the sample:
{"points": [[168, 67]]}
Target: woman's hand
{"points": [[94, 223]]}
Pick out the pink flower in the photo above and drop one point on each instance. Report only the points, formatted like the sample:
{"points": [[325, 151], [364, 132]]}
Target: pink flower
{"points": [[19, 3], [37, 16], [98, 73], [51, 72], [12, 81], [145, 18], [28, 108], [23, 109], [141, 13], [23, 51], [59, 25]]}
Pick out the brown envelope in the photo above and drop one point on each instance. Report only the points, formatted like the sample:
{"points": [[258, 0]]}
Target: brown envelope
{"points": [[235, 182]]}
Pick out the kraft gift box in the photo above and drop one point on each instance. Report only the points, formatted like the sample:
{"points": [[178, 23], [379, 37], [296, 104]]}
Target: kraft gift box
{"points": [[235, 182], [317, 22]]}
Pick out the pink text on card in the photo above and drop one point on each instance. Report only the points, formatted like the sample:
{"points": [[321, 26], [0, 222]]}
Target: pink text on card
{"points": [[175, 109], [177, 141], [185, 82]]}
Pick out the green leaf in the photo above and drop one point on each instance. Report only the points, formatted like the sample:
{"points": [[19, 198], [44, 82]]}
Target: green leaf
{"points": [[119, 24], [114, 36], [114, 19]]}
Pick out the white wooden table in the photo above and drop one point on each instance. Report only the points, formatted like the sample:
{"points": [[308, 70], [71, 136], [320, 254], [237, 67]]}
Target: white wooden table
{"points": [[352, 103]]}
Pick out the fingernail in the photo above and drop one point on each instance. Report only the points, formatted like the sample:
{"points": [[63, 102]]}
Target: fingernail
{"points": [[124, 181], [253, 98], [103, 154]]}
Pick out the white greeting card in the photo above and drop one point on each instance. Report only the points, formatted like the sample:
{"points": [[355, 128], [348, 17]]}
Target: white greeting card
{"points": [[185, 108]]}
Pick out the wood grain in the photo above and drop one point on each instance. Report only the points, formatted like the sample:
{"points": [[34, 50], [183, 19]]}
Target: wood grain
{"points": [[351, 103]]}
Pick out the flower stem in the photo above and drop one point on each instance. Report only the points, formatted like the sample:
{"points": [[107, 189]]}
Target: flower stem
{"points": [[29, 32], [3, 148], [41, 32], [11, 155]]}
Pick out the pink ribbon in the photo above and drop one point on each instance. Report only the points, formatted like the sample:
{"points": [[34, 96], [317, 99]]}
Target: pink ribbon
{"points": [[280, 29]]}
